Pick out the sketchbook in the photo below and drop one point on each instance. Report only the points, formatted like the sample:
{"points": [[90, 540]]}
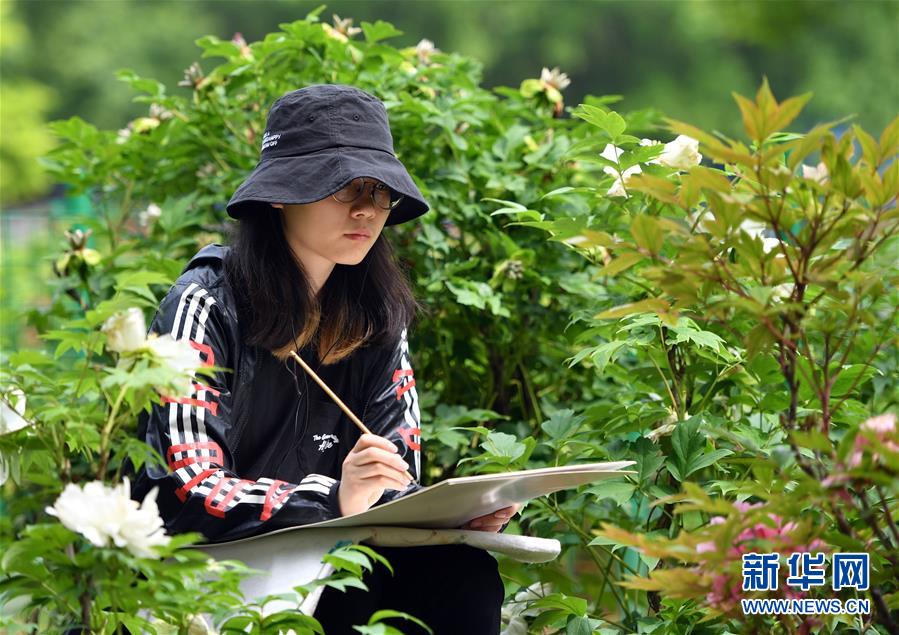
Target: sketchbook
{"points": [[453, 502]]}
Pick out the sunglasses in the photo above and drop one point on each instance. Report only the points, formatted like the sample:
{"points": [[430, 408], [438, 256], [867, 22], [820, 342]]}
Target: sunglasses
{"points": [[381, 195]]}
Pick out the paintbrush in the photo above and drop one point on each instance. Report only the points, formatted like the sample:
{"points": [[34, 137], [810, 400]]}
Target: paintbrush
{"points": [[336, 399]]}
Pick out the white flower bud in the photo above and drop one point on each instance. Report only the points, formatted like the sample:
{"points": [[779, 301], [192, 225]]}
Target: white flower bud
{"points": [[761, 231], [125, 331], [819, 173], [179, 356], [12, 418], [681, 154]]}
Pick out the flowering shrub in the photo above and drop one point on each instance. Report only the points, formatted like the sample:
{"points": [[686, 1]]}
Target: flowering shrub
{"points": [[720, 311], [754, 301], [107, 514]]}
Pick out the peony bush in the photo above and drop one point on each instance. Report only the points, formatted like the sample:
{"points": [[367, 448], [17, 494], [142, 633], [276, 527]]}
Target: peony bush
{"points": [[600, 285]]}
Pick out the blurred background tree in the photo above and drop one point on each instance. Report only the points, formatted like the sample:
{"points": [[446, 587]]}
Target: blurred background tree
{"points": [[683, 58]]}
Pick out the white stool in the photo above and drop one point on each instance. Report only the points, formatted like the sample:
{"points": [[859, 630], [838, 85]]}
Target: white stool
{"points": [[288, 559]]}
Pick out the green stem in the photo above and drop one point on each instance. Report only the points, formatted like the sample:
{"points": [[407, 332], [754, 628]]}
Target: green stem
{"points": [[667, 387], [530, 389], [87, 363], [107, 433], [676, 395], [592, 553], [587, 537], [708, 393]]}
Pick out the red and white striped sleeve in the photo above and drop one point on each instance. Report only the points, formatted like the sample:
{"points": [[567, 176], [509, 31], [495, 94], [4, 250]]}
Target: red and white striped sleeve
{"points": [[392, 410], [198, 489]]}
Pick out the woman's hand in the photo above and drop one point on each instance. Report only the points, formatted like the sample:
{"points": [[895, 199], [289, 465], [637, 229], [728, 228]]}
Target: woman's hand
{"points": [[370, 468], [492, 522]]}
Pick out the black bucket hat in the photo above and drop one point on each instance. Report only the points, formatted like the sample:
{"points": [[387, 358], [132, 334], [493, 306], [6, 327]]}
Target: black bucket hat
{"points": [[318, 139]]}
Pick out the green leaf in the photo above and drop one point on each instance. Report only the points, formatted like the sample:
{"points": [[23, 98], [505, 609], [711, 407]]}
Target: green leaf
{"points": [[651, 305], [378, 31], [215, 47], [606, 353], [384, 614], [618, 491], [562, 423], [623, 262], [687, 331], [567, 603], [607, 120], [477, 294], [150, 86], [852, 377], [689, 450], [647, 233], [344, 582], [500, 444], [813, 440], [511, 207], [579, 625]]}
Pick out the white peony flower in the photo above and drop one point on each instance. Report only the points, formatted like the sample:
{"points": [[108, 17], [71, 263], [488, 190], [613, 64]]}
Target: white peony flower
{"points": [[617, 187], [611, 153], [179, 356], [107, 515], [12, 411], [819, 173], [682, 153], [424, 49], [760, 230], [125, 331], [161, 113], [12, 418], [782, 291], [515, 611], [150, 214], [123, 135], [554, 78]]}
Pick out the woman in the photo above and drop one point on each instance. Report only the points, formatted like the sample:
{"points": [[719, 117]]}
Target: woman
{"points": [[262, 448]]}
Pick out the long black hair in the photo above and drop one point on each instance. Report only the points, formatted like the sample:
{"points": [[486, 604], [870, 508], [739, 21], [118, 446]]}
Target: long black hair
{"points": [[365, 304]]}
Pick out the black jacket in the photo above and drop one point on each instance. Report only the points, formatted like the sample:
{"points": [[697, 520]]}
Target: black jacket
{"points": [[262, 447]]}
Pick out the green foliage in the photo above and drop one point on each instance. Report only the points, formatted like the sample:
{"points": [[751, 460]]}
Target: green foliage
{"points": [[727, 327], [757, 301], [25, 104]]}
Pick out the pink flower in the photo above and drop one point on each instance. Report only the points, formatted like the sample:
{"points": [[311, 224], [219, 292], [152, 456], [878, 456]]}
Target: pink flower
{"points": [[883, 428], [723, 597], [883, 425], [744, 507]]}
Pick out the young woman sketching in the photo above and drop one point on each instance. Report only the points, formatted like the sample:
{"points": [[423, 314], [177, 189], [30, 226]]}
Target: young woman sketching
{"points": [[309, 271]]}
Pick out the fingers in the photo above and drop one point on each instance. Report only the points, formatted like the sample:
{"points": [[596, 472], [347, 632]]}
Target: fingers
{"points": [[374, 441], [494, 521], [384, 474], [484, 526], [377, 455], [384, 482]]}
